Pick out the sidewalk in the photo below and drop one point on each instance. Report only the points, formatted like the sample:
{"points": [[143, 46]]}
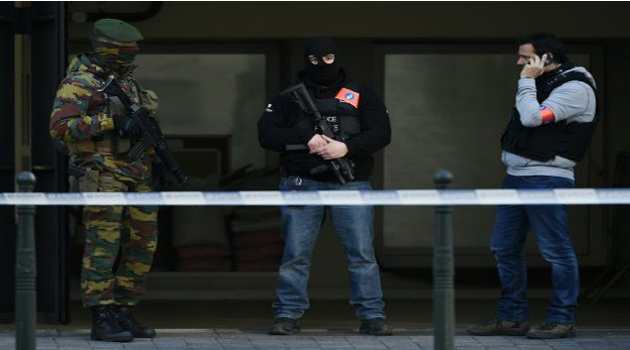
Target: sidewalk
{"points": [[329, 324], [335, 339]]}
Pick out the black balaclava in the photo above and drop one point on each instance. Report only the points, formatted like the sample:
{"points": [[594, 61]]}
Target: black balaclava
{"points": [[322, 73]]}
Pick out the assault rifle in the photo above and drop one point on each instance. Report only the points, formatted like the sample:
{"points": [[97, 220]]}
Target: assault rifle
{"points": [[342, 167], [150, 132]]}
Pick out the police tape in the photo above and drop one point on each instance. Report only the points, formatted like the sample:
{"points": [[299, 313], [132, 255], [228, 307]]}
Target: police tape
{"points": [[581, 196]]}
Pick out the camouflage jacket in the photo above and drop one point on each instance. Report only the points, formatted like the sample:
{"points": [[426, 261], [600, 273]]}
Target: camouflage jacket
{"points": [[82, 121]]}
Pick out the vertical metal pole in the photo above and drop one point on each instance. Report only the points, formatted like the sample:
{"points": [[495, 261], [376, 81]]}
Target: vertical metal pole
{"points": [[443, 303], [22, 89], [25, 291]]}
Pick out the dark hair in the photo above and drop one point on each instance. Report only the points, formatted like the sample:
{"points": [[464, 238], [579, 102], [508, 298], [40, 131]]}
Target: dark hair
{"points": [[543, 43]]}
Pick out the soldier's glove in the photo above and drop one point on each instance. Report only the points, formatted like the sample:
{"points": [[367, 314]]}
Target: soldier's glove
{"points": [[127, 126]]}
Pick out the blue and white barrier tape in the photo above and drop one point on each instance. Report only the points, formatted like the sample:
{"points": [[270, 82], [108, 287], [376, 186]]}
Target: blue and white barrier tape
{"points": [[386, 197]]}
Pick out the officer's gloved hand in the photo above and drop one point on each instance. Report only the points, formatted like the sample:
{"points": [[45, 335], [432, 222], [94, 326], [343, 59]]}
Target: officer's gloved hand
{"points": [[127, 126]]}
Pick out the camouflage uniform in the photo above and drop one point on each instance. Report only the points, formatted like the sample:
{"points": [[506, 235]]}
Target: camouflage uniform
{"points": [[83, 121]]}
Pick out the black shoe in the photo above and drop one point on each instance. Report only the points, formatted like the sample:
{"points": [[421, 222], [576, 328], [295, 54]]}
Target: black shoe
{"points": [[125, 318], [285, 326], [105, 327], [376, 326]]}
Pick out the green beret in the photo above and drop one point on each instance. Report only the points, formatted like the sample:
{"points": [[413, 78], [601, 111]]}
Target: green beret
{"points": [[116, 29]]}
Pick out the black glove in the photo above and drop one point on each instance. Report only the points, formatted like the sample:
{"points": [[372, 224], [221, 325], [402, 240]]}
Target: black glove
{"points": [[127, 126]]}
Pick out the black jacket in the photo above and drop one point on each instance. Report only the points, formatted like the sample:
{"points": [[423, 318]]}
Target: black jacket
{"points": [[284, 123]]}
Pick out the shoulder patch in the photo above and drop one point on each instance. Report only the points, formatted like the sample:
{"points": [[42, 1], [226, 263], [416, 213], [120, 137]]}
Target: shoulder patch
{"points": [[348, 96]]}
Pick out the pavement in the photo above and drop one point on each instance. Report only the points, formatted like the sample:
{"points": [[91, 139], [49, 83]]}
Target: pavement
{"points": [[312, 338], [328, 324]]}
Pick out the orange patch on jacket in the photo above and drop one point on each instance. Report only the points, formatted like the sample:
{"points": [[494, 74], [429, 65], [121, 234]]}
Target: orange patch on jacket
{"points": [[348, 96]]}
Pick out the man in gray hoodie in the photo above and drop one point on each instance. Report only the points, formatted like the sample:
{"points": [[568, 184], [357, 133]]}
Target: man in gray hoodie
{"points": [[549, 131]]}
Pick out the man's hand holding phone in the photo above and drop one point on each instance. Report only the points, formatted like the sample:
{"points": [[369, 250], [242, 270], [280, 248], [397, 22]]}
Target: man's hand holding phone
{"points": [[534, 67]]}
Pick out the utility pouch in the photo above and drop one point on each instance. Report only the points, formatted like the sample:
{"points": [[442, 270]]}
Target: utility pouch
{"points": [[89, 181], [149, 100]]}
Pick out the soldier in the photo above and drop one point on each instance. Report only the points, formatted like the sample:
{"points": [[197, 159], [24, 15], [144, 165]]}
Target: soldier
{"points": [[92, 127]]}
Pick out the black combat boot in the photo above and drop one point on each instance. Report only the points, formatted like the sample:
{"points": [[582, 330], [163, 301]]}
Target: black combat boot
{"points": [[285, 326], [376, 326], [105, 327], [125, 318]]}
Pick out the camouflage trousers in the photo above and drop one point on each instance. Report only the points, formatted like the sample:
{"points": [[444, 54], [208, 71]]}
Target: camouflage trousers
{"points": [[119, 247]]}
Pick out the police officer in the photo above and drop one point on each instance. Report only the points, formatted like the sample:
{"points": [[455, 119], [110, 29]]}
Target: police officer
{"points": [[97, 132], [358, 117], [550, 130]]}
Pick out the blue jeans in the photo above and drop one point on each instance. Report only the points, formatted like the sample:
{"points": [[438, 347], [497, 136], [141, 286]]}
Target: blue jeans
{"points": [[354, 226], [549, 223]]}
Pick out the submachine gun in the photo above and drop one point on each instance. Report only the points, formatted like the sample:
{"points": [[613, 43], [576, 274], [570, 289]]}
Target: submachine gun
{"points": [[150, 132], [342, 167]]}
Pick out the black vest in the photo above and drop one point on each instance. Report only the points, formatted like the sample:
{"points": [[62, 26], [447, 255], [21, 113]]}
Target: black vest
{"points": [[544, 142], [345, 120], [343, 117]]}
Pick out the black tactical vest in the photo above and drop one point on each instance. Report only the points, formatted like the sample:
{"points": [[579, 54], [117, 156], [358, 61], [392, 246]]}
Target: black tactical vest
{"points": [[343, 117], [545, 142]]}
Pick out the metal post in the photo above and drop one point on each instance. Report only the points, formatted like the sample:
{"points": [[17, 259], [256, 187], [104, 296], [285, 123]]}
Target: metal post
{"points": [[25, 269], [443, 304]]}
